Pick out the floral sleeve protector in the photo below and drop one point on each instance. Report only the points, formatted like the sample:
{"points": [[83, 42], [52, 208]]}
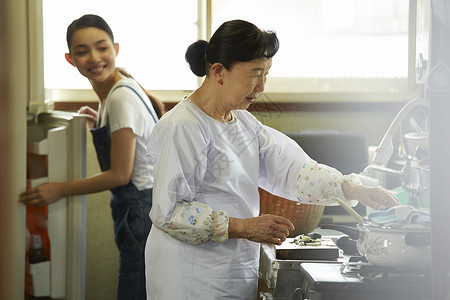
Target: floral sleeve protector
{"points": [[196, 223]]}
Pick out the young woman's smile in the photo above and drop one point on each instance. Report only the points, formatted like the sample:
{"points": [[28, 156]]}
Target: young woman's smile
{"points": [[97, 70]]}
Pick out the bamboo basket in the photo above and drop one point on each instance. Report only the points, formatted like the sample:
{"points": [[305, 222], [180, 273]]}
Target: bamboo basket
{"points": [[305, 217]]}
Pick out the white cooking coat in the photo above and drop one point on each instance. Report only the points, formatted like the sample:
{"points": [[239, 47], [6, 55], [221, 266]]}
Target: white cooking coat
{"points": [[200, 159]]}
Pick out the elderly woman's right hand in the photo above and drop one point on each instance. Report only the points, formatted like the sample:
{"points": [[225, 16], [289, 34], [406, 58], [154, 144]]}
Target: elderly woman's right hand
{"points": [[267, 229]]}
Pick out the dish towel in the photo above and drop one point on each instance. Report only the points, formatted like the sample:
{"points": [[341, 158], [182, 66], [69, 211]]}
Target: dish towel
{"points": [[400, 216]]}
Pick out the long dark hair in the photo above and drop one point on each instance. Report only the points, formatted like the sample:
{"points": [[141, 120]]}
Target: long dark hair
{"points": [[95, 21], [234, 41], [157, 104], [85, 22]]}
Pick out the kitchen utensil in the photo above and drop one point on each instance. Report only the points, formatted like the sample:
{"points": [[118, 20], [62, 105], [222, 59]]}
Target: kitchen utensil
{"points": [[326, 250], [413, 123], [347, 244], [386, 148], [416, 140], [407, 247], [349, 209]]}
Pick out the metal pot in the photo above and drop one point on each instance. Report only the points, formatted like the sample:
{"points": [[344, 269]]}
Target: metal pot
{"points": [[404, 248], [407, 248]]}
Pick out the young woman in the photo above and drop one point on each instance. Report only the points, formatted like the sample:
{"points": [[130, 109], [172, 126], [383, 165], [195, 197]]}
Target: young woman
{"points": [[121, 133], [211, 155]]}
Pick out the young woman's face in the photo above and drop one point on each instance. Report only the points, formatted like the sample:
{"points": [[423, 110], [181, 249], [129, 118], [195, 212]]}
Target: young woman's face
{"points": [[245, 81], [93, 53]]}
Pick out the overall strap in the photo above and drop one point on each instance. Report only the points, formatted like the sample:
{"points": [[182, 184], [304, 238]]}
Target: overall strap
{"points": [[151, 114]]}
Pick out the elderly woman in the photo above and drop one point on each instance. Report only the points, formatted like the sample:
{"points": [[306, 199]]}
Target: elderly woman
{"points": [[210, 157]]}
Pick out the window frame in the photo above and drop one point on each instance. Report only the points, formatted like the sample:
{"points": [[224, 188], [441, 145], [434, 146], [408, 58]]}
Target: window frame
{"points": [[204, 32]]}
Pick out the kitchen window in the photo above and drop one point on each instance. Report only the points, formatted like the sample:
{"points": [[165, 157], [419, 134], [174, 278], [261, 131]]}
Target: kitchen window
{"points": [[152, 35], [327, 46]]}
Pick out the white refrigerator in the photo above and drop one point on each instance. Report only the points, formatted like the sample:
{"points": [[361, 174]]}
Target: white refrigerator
{"points": [[56, 152]]}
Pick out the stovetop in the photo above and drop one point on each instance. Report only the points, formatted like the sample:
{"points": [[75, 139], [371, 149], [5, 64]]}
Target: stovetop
{"points": [[344, 278], [356, 280], [357, 266]]}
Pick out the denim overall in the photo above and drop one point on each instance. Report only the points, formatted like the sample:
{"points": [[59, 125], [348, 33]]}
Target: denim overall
{"points": [[130, 211]]}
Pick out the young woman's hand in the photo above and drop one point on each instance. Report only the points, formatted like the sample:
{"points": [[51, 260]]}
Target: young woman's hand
{"points": [[90, 114], [267, 229], [42, 195]]}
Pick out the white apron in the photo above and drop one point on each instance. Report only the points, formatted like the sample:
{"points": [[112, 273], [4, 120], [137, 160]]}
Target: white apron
{"points": [[200, 159]]}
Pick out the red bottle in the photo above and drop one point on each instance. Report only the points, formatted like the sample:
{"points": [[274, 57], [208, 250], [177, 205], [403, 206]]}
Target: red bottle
{"points": [[37, 253]]}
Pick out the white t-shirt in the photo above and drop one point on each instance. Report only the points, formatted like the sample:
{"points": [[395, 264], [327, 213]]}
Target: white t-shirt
{"points": [[125, 109]]}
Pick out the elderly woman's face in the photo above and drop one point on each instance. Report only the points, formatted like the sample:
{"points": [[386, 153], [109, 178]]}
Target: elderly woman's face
{"points": [[245, 81]]}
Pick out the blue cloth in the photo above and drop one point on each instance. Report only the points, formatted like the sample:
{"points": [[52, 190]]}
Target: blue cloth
{"points": [[130, 212], [399, 216]]}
